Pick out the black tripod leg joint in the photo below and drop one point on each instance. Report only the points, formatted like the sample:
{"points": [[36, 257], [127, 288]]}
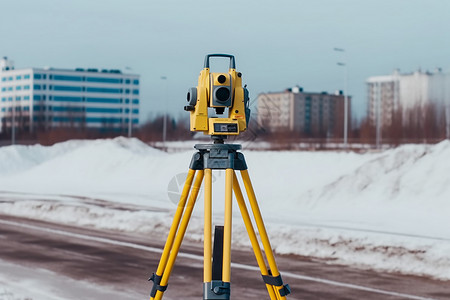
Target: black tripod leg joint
{"points": [[277, 281], [156, 285], [216, 290]]}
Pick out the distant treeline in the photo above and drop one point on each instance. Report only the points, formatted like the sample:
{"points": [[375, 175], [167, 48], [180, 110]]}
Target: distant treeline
{"points": [[421, 124]]}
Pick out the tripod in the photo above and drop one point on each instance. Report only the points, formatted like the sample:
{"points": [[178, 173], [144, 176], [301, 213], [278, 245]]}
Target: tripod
{"points": [[217, 259]]}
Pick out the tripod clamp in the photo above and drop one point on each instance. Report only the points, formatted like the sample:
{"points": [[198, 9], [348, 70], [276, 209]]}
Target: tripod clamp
{"points": [[156, 285], [277, 281], [216, 290]]}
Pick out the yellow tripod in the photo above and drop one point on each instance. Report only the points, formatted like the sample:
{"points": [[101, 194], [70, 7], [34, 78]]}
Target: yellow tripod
{"points": [[217, 260]]}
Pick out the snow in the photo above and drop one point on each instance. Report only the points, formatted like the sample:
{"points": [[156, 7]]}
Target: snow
{"points": [[380, 210], [24, 283]]}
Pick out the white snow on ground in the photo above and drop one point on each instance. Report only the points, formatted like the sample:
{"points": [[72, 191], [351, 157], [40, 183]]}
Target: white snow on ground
{"points": [[23, 283], [386, 211]]}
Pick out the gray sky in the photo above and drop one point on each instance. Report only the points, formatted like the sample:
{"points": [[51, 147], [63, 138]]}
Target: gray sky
{"points": [[277, 44]]}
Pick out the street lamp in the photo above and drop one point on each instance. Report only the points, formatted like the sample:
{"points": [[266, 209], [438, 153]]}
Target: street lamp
{"points": [[165, 113], [130, 107], [13, 120], [344, 64]]}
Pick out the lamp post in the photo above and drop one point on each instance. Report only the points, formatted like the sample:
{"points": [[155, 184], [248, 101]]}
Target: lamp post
{"points": [[130, 116], [378, 115], [130, 107], [344, 64], [165, 113], [13, 120]]}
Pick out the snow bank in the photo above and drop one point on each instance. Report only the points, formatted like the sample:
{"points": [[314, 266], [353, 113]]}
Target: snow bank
{"points": [[386, 210]]}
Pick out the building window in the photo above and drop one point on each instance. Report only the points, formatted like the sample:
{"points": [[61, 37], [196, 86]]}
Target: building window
{"points": [[135, 101], [37, 87], [135, 92], [26, 87], [103, 110], [18, 88], [26, 97], [67, 99], [37, 76], [18, 77], [67, 78], [67, 109], [104, 90], [102, 100], [103, 80], [68, 88], [26, 76], [136, 81], [3, 78]]}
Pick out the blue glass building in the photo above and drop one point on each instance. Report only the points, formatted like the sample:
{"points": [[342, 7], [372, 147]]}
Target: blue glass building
{"points": [[36, 98]]}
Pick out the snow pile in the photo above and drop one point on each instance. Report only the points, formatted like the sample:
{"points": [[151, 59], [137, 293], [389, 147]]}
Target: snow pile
{"points": [[386, 210]]}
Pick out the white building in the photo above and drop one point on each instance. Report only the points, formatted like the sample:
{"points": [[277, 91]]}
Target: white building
{"points": [[388, 94], [36, 98]]}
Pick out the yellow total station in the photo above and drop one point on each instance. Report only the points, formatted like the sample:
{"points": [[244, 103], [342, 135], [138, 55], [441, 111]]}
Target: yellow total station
{"points": [[224, 94], [219, 94]]}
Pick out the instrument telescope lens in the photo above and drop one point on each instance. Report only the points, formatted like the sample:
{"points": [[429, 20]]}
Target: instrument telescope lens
{"points": [[222, 94], [221, 79]]}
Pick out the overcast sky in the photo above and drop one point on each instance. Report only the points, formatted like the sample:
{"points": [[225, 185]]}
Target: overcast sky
{"points": [[277, 44]]}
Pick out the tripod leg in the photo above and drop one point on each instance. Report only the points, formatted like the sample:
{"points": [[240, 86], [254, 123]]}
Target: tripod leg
{"points": [[176, 239], [173, 229], [252, 235], [214, 289], [207, 231], [275, 278], [226, 271]]}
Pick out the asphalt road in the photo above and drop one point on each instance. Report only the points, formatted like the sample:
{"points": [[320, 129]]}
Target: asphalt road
{"points": [[121, 264]]}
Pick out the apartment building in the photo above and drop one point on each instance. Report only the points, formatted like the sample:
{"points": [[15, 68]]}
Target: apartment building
{"points": [[391, 93], [309, 113]]}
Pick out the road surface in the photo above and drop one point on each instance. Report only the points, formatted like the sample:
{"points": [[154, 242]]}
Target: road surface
{"points": [[81, 263]]}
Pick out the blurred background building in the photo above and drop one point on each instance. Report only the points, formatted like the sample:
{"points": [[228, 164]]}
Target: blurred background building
{"points": [[403, 93], [43, 98], [308, 113]]}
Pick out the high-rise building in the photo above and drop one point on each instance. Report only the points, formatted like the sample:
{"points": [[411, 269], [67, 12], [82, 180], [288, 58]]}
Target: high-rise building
{"points": [[35, 98], [391, 93], [314, 114]]}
